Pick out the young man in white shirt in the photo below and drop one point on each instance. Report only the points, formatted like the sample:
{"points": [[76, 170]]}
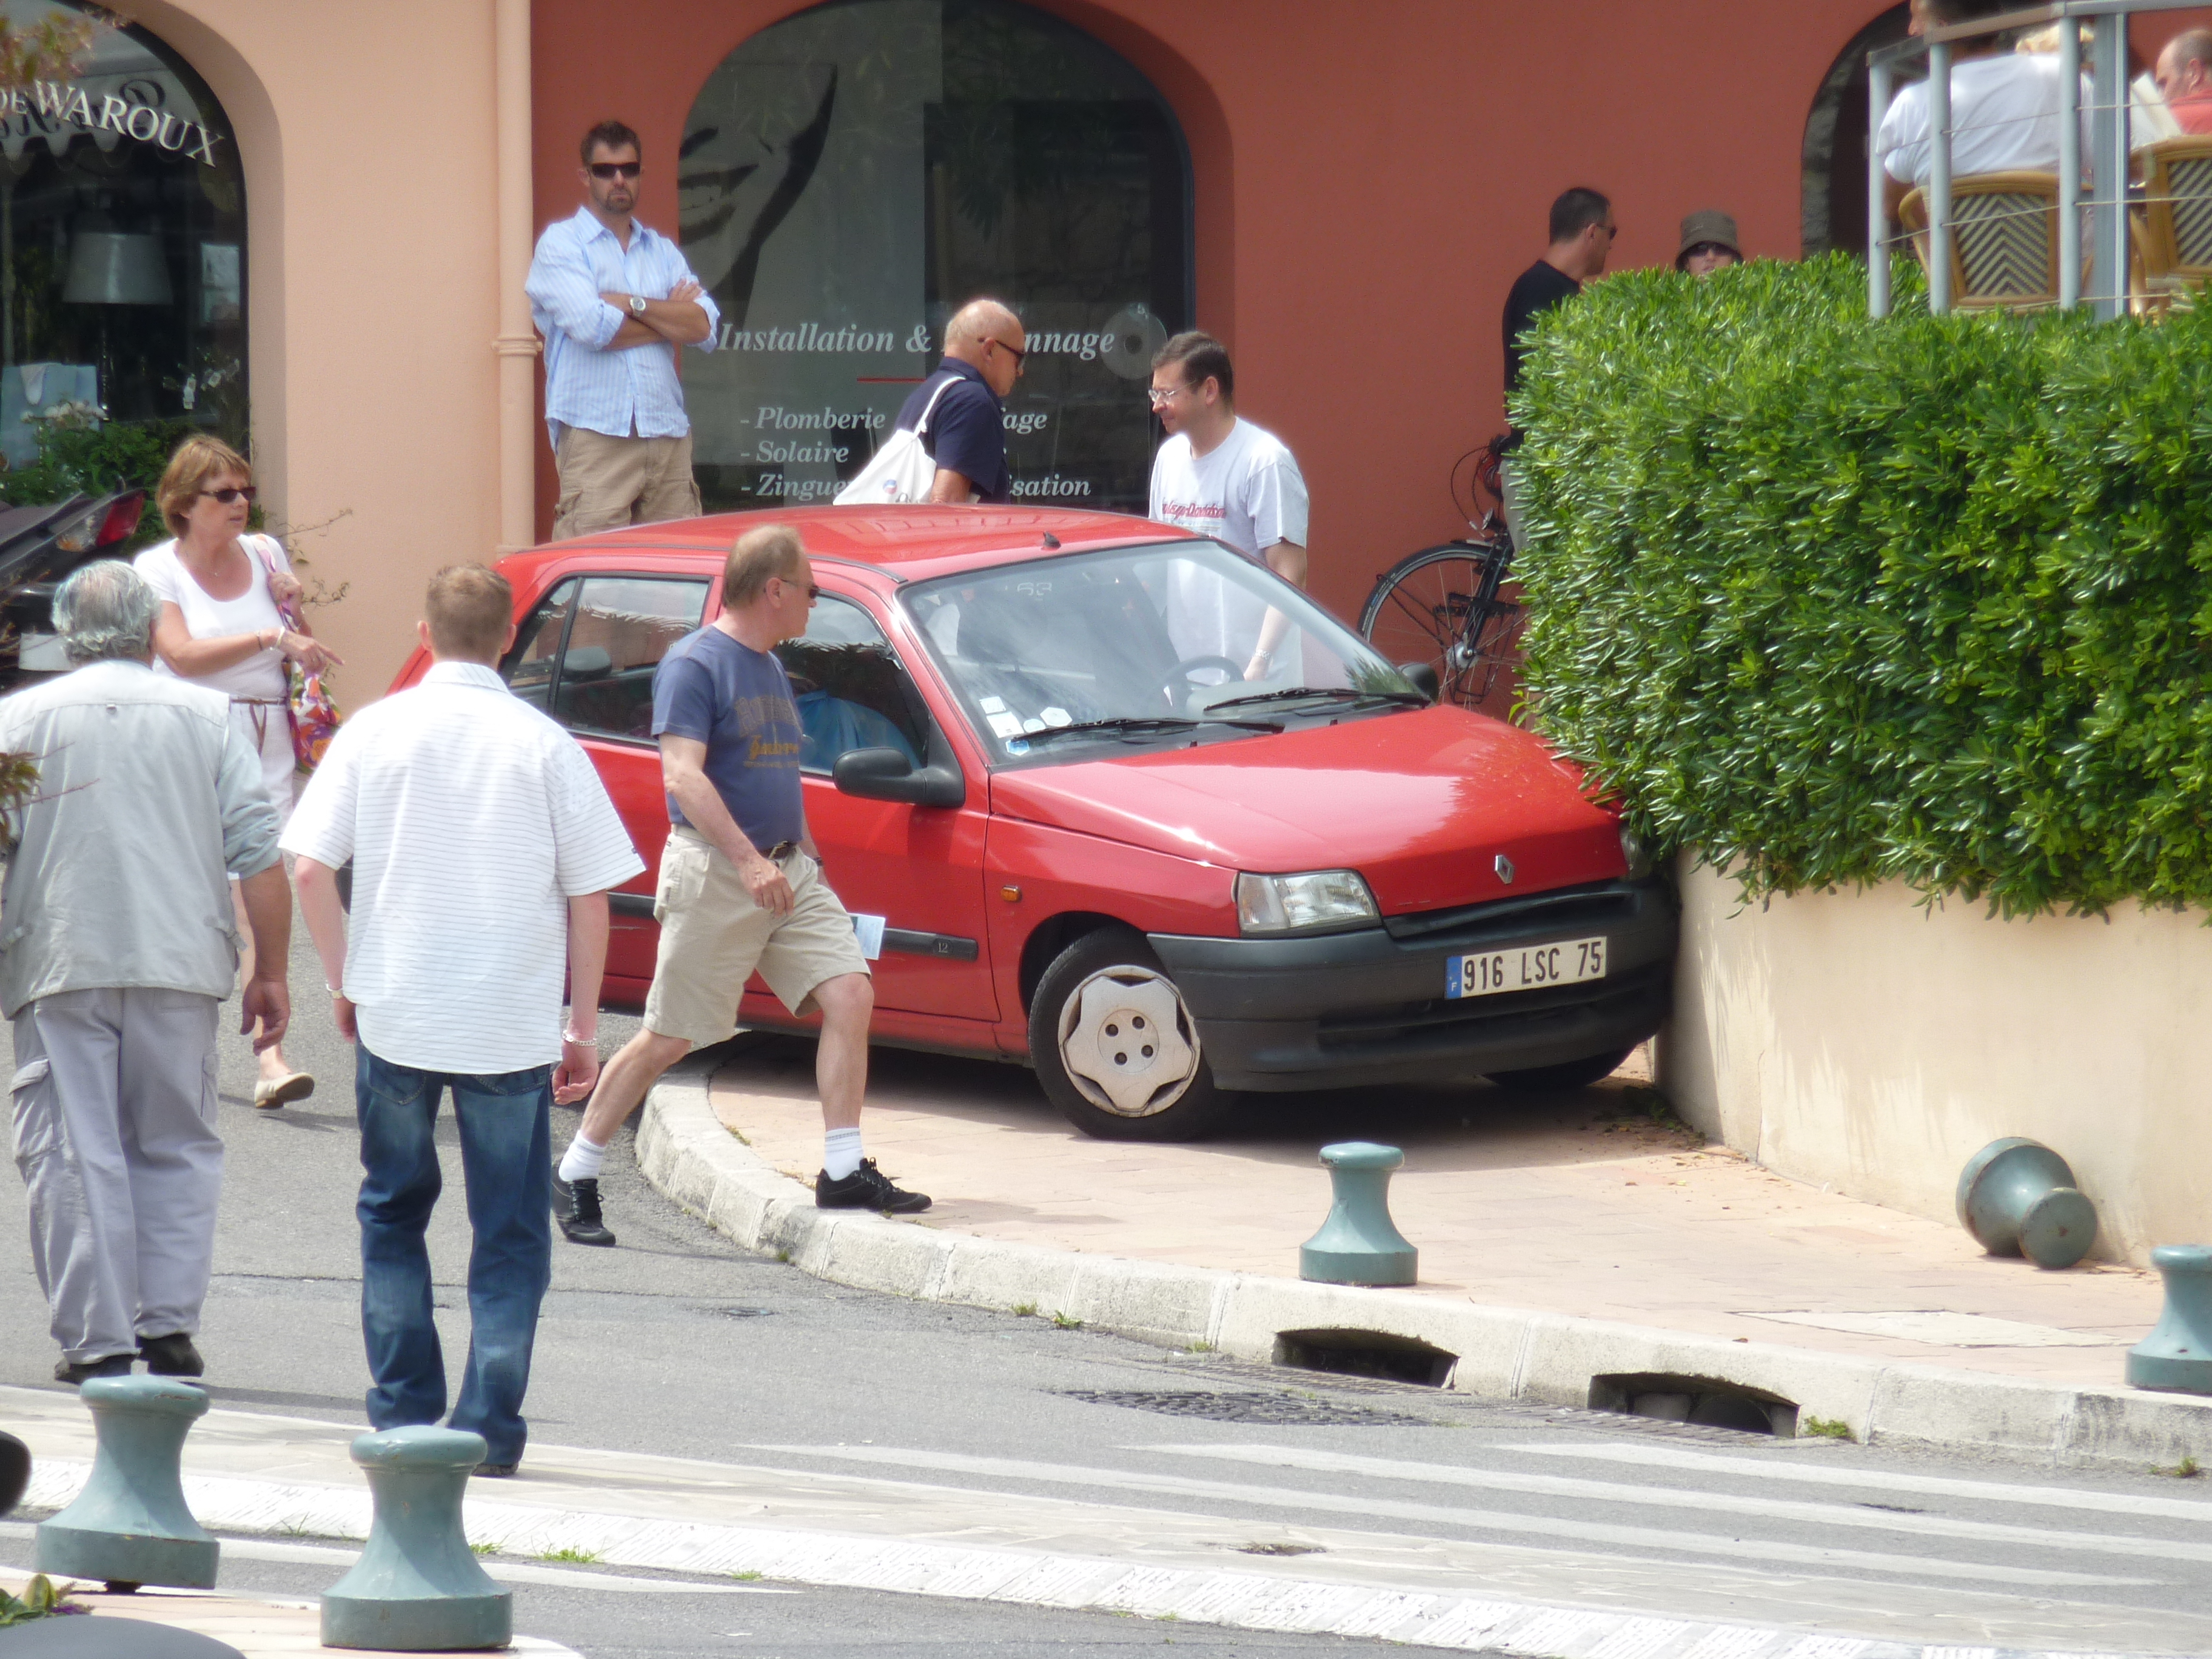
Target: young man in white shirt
{"points": [[482, 845], [1223, 477]]}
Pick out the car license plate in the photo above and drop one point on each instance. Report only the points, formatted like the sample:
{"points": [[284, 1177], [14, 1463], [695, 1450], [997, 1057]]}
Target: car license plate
{"points": [[1525, 968]]}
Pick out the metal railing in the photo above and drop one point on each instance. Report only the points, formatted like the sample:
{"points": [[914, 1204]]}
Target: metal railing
{"points": [[2109, 100]]}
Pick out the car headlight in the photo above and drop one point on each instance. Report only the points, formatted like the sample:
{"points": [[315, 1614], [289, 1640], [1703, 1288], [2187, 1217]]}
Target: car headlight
{"points": [[1632, 851], [1302, 903]]}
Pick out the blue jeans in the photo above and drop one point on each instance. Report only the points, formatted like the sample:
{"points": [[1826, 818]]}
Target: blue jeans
{"points": [[507, 1164]]}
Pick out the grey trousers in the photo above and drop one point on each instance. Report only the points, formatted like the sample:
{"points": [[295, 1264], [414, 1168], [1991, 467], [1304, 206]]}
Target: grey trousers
{"points": [[114, 1114]]}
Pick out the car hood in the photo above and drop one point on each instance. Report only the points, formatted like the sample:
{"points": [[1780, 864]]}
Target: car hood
{"points": [[1422, 804]]}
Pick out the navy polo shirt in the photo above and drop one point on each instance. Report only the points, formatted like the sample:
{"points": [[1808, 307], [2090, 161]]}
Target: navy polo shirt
{"points": [[967, 433]]}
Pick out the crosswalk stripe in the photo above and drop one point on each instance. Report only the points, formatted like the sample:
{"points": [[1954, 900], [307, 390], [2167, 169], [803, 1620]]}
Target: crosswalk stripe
{"points": [[1993, 1492], [1683, 1498], [1581, 1532]]}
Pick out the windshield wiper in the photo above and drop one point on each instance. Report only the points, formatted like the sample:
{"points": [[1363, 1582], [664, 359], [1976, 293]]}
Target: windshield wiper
{"points": [[1140, 724], [1333, 693]]}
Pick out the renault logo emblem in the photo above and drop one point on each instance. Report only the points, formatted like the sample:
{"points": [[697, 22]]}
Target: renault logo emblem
{"points": [[1503, 865]]}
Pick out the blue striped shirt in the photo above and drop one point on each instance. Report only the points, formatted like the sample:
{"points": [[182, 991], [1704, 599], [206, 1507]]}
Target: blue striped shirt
{"points": [[617, 393]]}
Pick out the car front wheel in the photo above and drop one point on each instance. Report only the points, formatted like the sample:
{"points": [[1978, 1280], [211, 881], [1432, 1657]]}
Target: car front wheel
{"points": [[1115, 1046]]}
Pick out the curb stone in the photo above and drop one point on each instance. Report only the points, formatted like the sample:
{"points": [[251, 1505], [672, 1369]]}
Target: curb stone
{"points": [[1505, 1353]]}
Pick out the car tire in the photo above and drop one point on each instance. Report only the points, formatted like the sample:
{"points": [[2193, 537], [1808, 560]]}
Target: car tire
{"points": [[1568, 1074], [1117, 1048]]}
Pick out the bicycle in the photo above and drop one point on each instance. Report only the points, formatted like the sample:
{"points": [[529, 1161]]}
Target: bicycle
{"points": [[1441, 605]]}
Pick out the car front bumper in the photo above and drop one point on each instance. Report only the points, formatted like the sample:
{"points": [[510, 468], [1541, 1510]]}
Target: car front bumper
{"points": [[1368, 1006]]}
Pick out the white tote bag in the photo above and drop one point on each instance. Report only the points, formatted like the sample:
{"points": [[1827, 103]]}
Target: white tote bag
{"points": [[901, 470]]}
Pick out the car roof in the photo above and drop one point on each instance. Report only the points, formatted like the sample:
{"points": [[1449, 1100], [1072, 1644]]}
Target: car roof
{"points": [[904, 543]]}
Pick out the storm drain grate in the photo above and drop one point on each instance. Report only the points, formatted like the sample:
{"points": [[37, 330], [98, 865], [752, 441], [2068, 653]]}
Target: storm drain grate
{"points": [[1280, 1408]]}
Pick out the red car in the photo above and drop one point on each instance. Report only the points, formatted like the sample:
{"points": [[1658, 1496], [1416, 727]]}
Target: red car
{"points": [[1032, 758]]}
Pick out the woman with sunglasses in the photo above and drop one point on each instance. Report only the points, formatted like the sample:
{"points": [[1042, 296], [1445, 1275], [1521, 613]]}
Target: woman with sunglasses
{"points": [[224, 595]]}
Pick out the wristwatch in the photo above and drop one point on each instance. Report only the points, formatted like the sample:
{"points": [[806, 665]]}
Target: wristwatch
{"points": [[637, 305]]}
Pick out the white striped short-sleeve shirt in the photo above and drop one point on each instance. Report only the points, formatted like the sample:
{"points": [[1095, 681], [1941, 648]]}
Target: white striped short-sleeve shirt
{"points": [[471, 819]]}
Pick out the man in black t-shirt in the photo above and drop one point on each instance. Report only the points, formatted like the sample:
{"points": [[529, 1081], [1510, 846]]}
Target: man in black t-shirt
{"points": [[1582, 236], [984, 345]]}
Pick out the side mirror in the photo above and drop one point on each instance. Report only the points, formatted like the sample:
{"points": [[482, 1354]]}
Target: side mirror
{"points": [[887, 775], [1422, 677]]}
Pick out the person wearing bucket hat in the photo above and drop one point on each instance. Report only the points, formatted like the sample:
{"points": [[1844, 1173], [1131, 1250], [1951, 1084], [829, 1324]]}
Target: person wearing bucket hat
{"points": [[1709, 243]]}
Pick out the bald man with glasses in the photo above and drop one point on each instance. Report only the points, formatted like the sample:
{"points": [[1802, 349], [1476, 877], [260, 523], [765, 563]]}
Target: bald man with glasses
{"points": [[960, 409]]}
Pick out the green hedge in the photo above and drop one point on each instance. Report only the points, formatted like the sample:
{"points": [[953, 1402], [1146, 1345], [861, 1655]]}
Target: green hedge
{"points": [[1835, 600]]}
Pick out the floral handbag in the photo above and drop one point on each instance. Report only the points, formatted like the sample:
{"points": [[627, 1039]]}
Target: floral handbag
{"points": [[314, 716]]}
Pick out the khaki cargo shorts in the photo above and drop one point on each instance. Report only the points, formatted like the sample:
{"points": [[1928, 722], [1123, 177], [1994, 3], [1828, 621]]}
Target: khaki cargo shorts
{"points": [[713, 937]]}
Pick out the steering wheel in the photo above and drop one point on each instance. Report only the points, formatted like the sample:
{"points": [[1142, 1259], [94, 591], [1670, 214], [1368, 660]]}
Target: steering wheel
{"points": [[1183, 670]]}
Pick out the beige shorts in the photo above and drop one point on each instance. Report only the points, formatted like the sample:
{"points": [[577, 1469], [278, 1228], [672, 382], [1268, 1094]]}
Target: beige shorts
{"points": [[608, 482], [713, 937]]}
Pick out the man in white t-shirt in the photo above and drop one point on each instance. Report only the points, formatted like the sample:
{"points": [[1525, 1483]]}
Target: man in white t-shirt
{"points": [[1224, 477], [2004, 106]]}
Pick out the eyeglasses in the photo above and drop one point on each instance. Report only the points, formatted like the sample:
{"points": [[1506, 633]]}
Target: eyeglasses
{"points": [[1165, 394], [1019, 354], [228, 497], [1706, 250], [813, 591], [616, 169]]}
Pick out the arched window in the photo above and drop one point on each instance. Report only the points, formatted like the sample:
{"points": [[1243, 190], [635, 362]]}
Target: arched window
{"points": [[122, 245], [1835, 158], [853, 174]]}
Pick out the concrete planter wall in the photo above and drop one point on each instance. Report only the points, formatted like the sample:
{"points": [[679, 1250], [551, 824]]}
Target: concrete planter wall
{"points": [[1858, 1040]]}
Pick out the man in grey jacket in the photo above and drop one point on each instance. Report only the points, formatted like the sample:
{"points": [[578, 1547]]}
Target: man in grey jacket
{"points": [[116, 951]]}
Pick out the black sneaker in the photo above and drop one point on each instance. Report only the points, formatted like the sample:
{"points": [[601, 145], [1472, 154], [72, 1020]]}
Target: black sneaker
{"points": [[83, 1370], [576, 1207], [173, 1355], [867, 1188]]}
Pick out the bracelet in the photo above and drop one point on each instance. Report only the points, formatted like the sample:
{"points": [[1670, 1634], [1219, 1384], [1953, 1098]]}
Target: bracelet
{"points": [[569, 1034], [334, 991]]}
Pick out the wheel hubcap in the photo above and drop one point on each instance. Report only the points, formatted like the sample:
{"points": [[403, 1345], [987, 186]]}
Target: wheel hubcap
{"points": [[1128, 1042]]}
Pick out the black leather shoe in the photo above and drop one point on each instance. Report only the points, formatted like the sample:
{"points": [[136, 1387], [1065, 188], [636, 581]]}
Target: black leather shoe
{"points": [[867, 1188], [115, 1364], [173, 1355], [576, 1207]]}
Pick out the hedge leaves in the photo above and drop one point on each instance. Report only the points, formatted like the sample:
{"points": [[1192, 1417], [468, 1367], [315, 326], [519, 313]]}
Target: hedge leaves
{"points": [[1836, 600]]}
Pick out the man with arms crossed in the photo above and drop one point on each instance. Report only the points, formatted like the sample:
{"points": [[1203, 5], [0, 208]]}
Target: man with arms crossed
{"points": [[741, 886], [1225, 477], [984, 346], [119, 951], [483, 846], [614, 302]]}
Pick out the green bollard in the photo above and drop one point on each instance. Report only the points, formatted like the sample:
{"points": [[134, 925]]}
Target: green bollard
{"points": [[418, 1586], [1358, 1244], [129, 1526], [2017, 1197], [2177, 1353]]}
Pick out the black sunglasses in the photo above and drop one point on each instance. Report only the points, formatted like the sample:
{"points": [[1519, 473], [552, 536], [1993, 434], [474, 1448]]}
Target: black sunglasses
{"points": [[812, 590], [244, 493], [616, 169]]}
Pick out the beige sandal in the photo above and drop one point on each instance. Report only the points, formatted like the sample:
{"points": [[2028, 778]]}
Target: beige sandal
{"points": [[271, 1092]]}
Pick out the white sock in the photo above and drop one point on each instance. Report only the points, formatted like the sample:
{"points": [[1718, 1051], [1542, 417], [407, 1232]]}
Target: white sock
{"points": [[840, 1152], [583, 1160]]}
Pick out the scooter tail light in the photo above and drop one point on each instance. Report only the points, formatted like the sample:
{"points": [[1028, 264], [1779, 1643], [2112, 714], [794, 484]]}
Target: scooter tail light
{"points": [[122, 519]]}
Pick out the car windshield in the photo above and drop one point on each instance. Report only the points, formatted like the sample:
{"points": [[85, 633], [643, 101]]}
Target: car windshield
{"points": [[1139, 645]]}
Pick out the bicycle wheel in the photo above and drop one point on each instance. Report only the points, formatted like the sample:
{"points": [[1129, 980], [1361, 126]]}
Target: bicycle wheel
{"points": [[1440, 606]]}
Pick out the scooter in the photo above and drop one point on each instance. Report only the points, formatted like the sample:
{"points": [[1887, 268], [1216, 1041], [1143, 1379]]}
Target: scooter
{"points": [[39, 546]]}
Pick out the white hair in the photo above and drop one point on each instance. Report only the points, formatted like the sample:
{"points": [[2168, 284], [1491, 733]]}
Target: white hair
{"points": [[105, 610]]}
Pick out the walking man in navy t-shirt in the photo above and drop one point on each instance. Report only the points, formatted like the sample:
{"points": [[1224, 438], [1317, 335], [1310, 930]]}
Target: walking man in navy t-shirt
{"points": [[984, 345], [741, 886]]}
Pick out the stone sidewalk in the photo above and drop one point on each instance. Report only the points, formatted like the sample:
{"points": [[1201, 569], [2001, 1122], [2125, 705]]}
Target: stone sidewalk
{"points": [[1579, 1204]]}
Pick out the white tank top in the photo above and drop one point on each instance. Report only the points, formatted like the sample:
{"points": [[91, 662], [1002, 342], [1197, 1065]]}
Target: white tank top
{"points": [[262, 674]]}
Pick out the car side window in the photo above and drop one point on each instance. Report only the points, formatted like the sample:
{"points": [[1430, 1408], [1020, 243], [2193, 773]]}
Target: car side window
{"points": [[622, 627], [851, 689], [528, 669]]}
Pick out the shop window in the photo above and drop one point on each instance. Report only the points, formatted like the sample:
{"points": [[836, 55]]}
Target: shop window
{"points": [[851, 691], [122, 245], [853, 174]]}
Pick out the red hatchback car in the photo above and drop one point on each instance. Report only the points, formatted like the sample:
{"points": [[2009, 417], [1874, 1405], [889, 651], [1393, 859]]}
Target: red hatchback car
{"points": [[1032, 757]]}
